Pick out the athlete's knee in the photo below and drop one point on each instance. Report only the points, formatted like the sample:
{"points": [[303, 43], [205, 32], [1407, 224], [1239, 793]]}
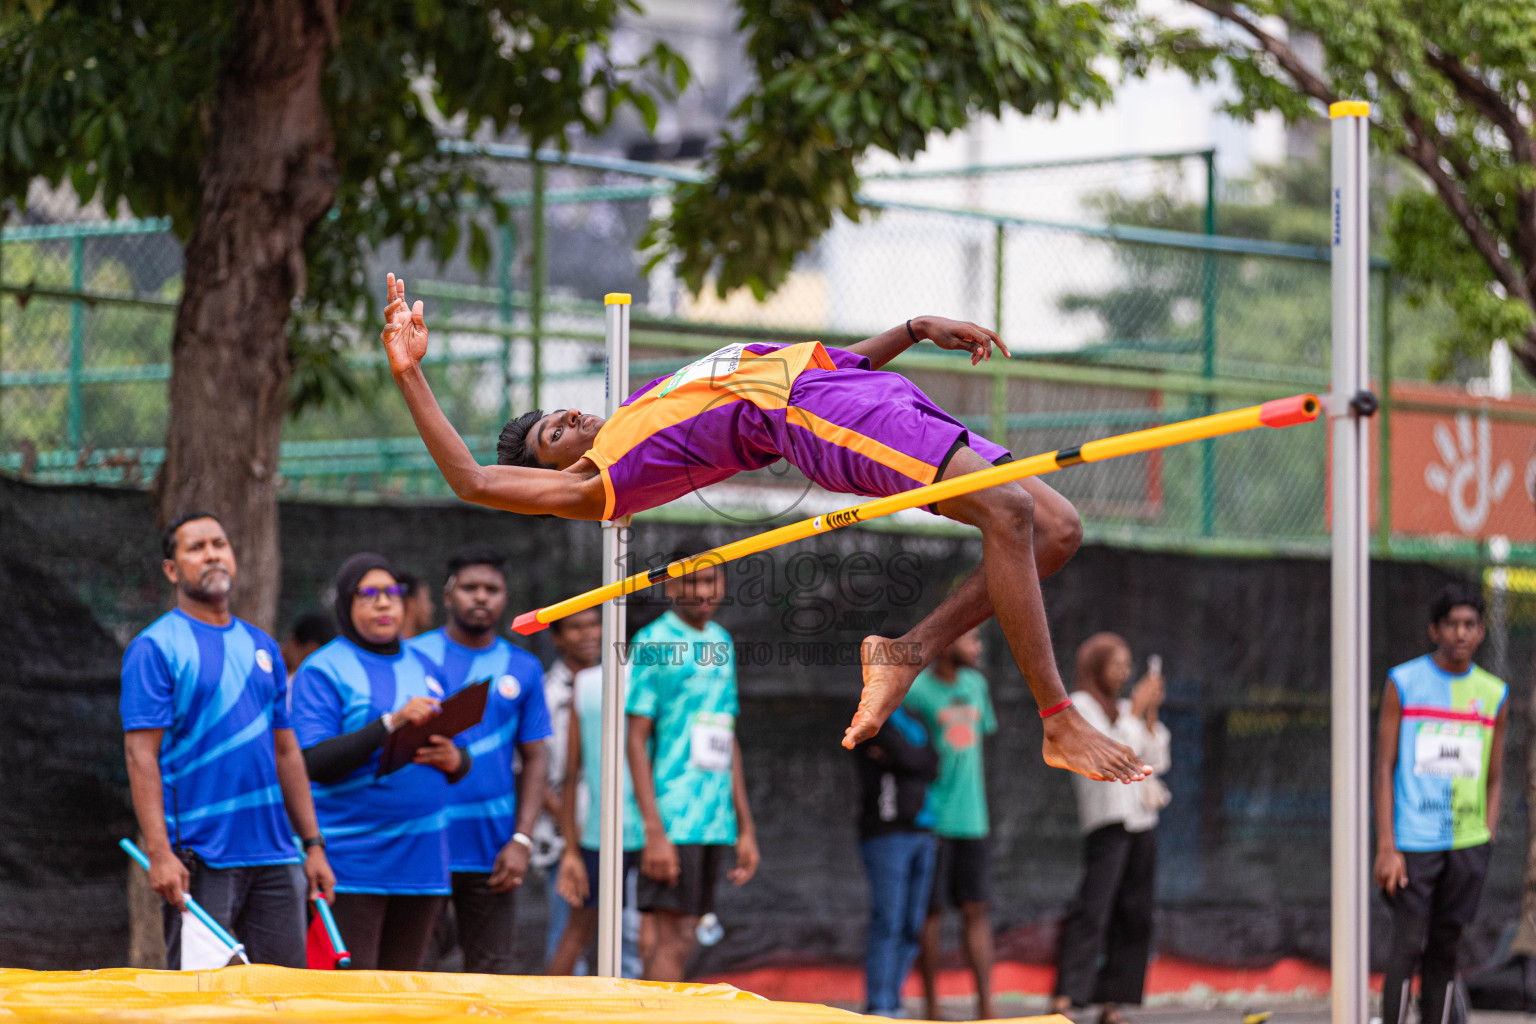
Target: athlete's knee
{"points": [[1063, 535], [1008, 508]]}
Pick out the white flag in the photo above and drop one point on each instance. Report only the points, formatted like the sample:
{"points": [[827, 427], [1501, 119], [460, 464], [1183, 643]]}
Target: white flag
{"points": [[201, 949]]}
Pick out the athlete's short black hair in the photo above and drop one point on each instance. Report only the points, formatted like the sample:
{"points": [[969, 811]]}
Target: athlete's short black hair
{"points": [[512, 448], [313, 628], [168, 535], [1454, 595], [477, 554]]}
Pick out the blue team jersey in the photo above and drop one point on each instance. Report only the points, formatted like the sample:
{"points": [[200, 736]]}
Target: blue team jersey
{"points": [[685, 680], [218, 692], [482, 808], [386, 835]]}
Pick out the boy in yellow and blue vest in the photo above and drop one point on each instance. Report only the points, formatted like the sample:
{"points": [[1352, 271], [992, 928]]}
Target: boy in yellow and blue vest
{"points": [[1439, 769]]}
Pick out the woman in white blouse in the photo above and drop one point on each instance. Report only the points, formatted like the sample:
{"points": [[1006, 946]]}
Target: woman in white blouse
{"points": [[1106, 938]]}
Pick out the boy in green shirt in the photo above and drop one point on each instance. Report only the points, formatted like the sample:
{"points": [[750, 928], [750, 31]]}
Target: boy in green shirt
{"points": [[952, 700], [686, 766]]}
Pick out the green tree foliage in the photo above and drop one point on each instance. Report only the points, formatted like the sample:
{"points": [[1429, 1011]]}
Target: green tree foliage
{"points": [[1269, 318], [115, 99], [1267, 310], [1450, 84], [839, 80], [285, 139]]}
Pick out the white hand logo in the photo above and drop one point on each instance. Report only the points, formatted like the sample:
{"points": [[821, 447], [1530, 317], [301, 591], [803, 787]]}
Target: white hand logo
{"points": [[1467, 468]]}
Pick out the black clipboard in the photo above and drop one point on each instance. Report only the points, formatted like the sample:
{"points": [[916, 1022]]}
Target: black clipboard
{"points": [[459, 712]]}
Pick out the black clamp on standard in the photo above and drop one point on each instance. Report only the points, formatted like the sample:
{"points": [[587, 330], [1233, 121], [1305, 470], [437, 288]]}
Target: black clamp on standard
{"points": [[1364, 404]]}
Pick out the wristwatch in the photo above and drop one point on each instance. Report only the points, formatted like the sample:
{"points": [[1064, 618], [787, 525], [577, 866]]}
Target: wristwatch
{"points": [[314, 841], [388, 719], [524, 841]]}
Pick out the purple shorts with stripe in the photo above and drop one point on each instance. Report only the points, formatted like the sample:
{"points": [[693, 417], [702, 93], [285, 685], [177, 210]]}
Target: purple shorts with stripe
{"points": [[872, 433]]}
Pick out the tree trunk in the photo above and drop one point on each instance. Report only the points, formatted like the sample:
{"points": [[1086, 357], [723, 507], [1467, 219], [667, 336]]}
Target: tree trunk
{"points": [[267, 177], [146, 923], [1525, 937]]}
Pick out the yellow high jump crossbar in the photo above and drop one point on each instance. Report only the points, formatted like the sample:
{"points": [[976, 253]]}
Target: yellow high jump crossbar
{"points": [[1279, 413]]}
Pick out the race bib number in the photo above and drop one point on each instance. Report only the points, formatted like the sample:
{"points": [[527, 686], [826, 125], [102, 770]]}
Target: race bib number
{"points": [[1447, 753], [720, 363], [712, 743]]}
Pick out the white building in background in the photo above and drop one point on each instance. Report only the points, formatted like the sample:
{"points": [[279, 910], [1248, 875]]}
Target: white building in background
{"points": [[862, 277], [1163, 112]]}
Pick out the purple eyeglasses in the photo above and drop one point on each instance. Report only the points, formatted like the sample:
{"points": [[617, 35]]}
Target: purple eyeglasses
{"points": [[372, 593]]}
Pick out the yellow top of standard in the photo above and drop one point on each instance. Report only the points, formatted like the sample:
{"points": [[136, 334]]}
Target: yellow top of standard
{"points": [[616, 299], [1349, 108]]}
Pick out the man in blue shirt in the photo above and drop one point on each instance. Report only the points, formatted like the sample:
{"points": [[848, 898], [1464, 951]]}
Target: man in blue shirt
{"points": [[212, 762], [491, 813]]}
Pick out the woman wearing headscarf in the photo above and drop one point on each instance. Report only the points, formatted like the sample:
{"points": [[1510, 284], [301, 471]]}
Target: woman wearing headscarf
{"points": [[387, 837], [1106, 938]]}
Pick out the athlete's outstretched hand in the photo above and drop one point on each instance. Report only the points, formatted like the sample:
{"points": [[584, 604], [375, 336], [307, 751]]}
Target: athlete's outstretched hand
{"points": [[962, 336], [405, 332]]}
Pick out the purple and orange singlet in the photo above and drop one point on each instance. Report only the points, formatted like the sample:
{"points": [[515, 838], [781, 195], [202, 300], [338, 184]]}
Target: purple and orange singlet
{"points": [[848, 428]]}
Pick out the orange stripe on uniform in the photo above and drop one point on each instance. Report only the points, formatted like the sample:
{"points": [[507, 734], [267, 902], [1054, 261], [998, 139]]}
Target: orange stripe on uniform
{"points": [[609, 497], [875, 451]]}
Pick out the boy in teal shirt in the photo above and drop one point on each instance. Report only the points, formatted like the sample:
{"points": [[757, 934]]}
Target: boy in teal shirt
{"points": [[1439, 772], [951, 699], [686, 766]]}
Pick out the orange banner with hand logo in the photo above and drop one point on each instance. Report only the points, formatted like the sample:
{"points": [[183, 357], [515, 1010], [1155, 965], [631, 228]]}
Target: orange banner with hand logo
{"points": [[1463, 470]]}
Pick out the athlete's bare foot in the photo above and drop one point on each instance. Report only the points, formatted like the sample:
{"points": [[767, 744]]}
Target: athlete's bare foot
{"points": [[889, 668], [1073, 744]]}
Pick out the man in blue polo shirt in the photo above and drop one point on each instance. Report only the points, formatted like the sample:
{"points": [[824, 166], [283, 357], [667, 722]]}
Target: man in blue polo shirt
{"points": [[491, 813], [212, 762]]}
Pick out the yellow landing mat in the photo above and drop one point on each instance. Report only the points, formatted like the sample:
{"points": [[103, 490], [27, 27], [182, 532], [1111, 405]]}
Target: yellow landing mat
{"points": [[234, 995]]}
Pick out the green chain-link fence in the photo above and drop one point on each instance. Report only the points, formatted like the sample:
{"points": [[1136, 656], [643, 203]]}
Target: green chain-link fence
{"points": [[1113, 328]]}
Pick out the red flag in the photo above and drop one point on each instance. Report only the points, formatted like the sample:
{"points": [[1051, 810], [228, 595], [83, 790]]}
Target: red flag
{"points": [[320, 954]]}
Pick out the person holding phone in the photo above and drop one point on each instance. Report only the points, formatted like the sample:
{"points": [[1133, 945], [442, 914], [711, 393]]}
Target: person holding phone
{"points": [[1106, 938], [387, 836]]}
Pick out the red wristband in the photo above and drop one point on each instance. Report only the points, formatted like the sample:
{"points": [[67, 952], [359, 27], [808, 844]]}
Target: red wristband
{"points": [[1048, 712]]}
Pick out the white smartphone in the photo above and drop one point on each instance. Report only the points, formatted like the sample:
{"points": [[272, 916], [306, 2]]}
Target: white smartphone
{"points": [[1155, 665]]}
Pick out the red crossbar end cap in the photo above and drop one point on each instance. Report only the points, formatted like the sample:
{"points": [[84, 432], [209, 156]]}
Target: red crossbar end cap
{"points": [[528, 623], [1287, 412]]}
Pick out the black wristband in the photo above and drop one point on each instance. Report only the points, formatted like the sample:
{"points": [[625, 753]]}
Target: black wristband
{"points": [[915, 338], [314, 841]]}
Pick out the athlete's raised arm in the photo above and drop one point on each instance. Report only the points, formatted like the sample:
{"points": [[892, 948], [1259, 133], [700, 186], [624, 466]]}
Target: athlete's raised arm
{"points": [[956, 335], [569, 494]]}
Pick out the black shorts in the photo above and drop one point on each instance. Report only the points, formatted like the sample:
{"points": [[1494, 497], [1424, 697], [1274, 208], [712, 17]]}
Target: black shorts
{"points": [[1444, 885], [632, 860], [694, 893], [589, 858], [962, 873]]}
